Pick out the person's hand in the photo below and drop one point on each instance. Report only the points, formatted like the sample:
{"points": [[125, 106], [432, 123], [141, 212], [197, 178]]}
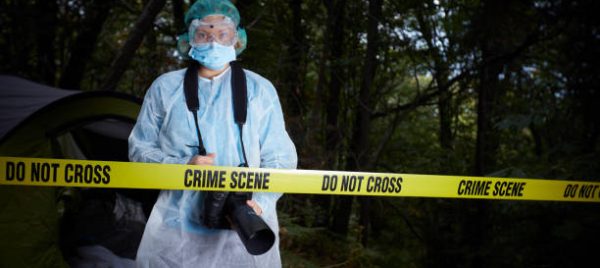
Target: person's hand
{"points": [[255, 206], [203, 160]]}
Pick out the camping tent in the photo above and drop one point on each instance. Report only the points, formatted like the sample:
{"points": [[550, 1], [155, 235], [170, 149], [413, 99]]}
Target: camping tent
{"points": [[41, 121]]}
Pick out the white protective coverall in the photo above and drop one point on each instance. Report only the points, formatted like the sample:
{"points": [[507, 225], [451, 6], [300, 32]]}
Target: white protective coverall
{"points": [[165, 133]]}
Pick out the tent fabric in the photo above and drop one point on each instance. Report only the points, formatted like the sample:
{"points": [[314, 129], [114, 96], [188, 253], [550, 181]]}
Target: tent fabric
{"points": [[19, 98], [42, 121], [39, 133]]}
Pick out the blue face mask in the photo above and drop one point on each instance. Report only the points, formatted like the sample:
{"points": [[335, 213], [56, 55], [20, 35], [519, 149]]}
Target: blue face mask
{"points": [[213, 55]]}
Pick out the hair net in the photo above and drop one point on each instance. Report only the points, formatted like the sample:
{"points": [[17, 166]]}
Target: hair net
{"points": [[203, 8]]}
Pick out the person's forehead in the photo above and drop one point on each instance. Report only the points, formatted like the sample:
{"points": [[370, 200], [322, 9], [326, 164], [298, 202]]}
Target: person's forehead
{"points": [[215, 29], [215, 22], [215, 19]]}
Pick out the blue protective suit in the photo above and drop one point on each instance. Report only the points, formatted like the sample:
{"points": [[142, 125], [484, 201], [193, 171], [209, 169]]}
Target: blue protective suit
{"points": [[165, 133]]}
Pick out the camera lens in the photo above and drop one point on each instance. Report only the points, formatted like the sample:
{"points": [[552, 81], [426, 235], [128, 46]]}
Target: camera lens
{"points": [[255, 234]]}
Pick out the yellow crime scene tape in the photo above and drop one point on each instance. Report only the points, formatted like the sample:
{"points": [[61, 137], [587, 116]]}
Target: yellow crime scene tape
{"points": [[111, 174]]}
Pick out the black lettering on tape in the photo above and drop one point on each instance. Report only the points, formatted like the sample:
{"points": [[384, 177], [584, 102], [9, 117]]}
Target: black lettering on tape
{"points": [[204, 178], [10, 171], [360, 179], [399, 185], [376, 184], [186, 179], [474, 187], [233, 184], [43, 172], [87, 174], [106, 172], [377, 187], [587, 191], [329, 183], [505, 188], [369, 186], [15, 171], [215, 178], [68, 176], [36, 173], [266, 181], [571, 190], [384, 184], [461, 187], [242, 177], [250, 180], [349, 183], [198, 181], [78, 173], [55, 167]]}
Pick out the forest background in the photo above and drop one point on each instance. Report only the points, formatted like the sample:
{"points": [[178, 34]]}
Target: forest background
{"points": [[491, 87]]}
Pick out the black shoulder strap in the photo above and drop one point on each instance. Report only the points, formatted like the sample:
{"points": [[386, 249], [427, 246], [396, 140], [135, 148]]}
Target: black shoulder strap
{"points": [[190, 89], [240, 93], [240, 101], [238, 85], [190, 86]]}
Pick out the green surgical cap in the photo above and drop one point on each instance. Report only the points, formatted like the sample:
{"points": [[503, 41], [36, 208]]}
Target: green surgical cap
{"points": [[204, 8]]}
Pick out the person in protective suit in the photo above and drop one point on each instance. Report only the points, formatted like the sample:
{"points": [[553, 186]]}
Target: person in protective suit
{"points": [[165, 132]]}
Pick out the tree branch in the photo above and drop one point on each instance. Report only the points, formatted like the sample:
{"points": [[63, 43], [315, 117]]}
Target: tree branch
{"points": [[141, 27]]}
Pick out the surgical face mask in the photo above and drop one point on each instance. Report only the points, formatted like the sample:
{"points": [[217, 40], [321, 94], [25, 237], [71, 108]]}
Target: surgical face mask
{"points": [[213, 55]]}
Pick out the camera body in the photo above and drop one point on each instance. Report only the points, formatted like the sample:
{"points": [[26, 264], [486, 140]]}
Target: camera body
{"points": [[228, 210]]}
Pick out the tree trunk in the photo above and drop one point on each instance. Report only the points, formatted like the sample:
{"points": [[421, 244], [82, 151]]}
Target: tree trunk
{"points": [[360, 138], [335, 30], [445, 110], [335, 45], [325, 115], [21, 20], [46, 33], [360, 145], [489, 91], [296, 53], [440, 73], [503, 36], [141, 27], [85, 43], [493, 43], [178, 17], [150, 45]]}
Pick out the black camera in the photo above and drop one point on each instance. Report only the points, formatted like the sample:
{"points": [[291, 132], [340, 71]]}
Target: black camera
{"points": [[228, 210]]}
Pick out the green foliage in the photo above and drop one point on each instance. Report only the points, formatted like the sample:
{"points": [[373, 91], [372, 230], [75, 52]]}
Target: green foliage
{"points": [[433, 61], [317, 247]]}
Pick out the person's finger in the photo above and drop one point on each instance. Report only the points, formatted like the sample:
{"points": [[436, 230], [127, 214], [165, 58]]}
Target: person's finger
{"points": [[208, 160], [254, 205], [194, 160], [203, 160]]}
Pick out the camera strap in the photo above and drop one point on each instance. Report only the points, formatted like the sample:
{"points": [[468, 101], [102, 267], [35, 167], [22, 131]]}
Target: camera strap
{"points": [[239, 96], [240, 102]]}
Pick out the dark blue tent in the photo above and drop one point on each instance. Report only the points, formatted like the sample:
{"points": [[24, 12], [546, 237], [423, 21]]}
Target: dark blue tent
{"points": [[41, 121]]}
